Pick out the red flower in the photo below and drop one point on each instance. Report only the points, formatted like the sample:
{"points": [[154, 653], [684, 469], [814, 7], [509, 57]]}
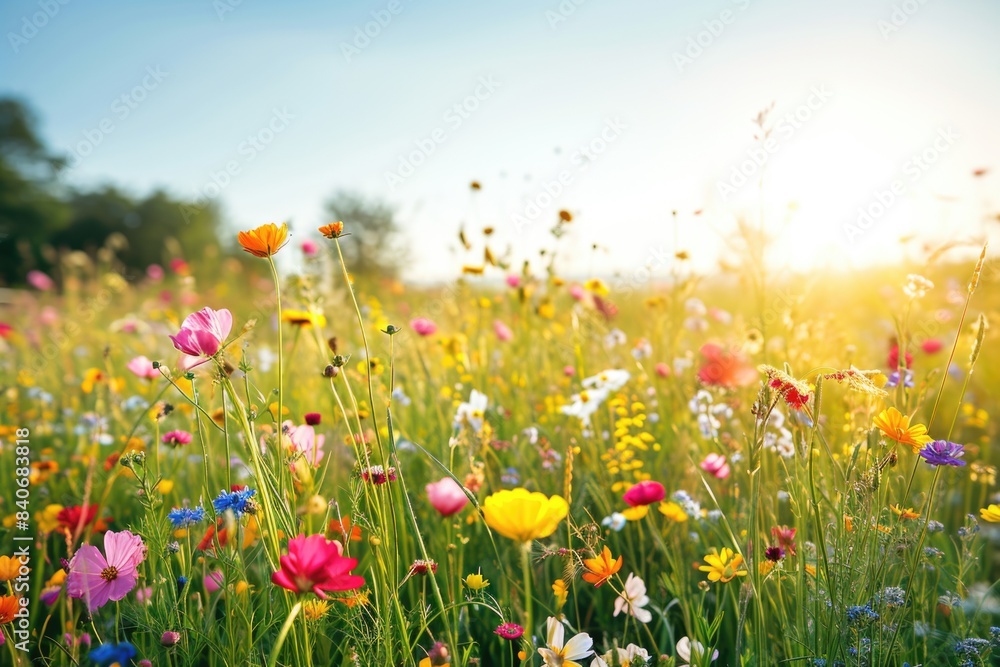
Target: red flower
{"points": [[315, 564], [931, 346], [644, 493], [509, 631], [313, 418], [785, 537], [77, 517], [724, 368], [893, 360]]}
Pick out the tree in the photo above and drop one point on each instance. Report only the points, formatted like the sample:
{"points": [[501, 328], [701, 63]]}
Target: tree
{"points": [[374, 249], [31, 212]]}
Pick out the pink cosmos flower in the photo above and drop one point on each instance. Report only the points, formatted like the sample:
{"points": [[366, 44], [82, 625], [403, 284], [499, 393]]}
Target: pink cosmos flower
{"points": [[446, 496], [97, 579], [143, 368], [513, 280], [423, 326], [176, 438], [203, 333], [306, 442], [502, 331], [309, 248], [40, 281], [715, 465], [644, 493], [213, 581], [316, 564]]}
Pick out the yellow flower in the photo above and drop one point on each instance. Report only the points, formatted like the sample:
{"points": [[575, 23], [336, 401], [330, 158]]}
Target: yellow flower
{"points": [[724, 566], [56, 579], [522, 515], [601, 568], [596, 286], [303, 318], [765, 567], [477, 581], [165, 486], [811, 570], [315, 609], [264, 241], [907, 513], [241, 587], [334, 230], [473, 270], [561, 593], [47, 518], [991, 513], [673, 511], [9, 567], [635, 513], [91, 378], [897, 427]]}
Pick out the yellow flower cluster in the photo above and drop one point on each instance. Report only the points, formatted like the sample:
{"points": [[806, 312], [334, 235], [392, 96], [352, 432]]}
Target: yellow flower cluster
{"points": [[631, 438]]}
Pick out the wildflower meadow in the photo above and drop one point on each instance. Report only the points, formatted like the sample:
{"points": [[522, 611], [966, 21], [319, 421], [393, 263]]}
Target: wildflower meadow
{"points": [[230, 463]]}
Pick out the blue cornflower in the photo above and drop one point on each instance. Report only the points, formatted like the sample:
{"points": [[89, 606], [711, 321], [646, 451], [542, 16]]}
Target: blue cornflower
{"points": [[237, 502], [943, 453], [861, 615], [819, 662], [932, 552], [181, 582], [108, 654], [971, 647], [995, 636], [182, 517], [893, 380]]}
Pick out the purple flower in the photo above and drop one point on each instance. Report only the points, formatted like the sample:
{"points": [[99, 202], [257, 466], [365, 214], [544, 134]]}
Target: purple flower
{"points": [[943, 453], [894, 379]]}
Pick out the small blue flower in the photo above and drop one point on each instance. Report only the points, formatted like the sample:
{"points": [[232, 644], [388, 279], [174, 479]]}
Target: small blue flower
{"points": [[894, 379], [108, 654], [181, 582], [861, 615], [893, 596], [943, 453], [182, 517], [237, 502]]}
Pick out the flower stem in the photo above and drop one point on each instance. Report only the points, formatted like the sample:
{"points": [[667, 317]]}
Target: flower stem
{"points": [[273, 659]]}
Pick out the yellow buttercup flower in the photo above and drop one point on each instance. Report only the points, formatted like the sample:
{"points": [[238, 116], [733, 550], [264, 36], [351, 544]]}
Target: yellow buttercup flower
{"points": [[561, 593], [896, 426], [635, 513], [264, 241], [991, 513], [596, 286], [476, 581], [91, 378], [724, 566], [673, 511], [523, 515], [303, 318]]}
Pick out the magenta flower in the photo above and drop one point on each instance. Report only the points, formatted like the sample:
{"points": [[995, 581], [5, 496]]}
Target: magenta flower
{"points": [[154, 272], [715, 465], [177, 438], [40, 281], [644, 493], [316, 564], [509, 631], [203, 333], [502, 331], [97, 579], [306, 442], [143, 368], [309, 248], [446, 496], [423, 326]]}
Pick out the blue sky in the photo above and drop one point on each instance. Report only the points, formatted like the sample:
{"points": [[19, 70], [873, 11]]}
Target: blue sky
{"points": [[552, 79]]}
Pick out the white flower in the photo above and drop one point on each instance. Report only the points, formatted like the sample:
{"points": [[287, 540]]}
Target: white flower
{"points": [[615, 338], [615, 522], [472, 413], [917, 286], [559, 654], [609, 380], [692, 653], [642, 349], [633, 599], [625, 657], [584, 404]]}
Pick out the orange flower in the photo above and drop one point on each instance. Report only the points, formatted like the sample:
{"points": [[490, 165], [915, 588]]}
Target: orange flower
{"points": [[897, 427], [341, 529], [601, 568], [906, 513], [332, 231], [9, 607], [264, 241]]}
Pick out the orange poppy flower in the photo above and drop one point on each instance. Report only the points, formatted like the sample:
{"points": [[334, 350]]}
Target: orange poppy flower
{"points": [[342, 529], [601, 568], [9, 607], [896, 426], [265, 240]]}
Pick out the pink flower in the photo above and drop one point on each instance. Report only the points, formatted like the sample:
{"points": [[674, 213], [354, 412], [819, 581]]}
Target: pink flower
{"points": [[176, 438], [306, 442], [423, 326], [40, 281], [569, 371], [203, 333], [309, 248], [143, 368], [513, 280], [644, 493], [213, 581], [725, 368], [663, 369], [577, 292], [931, 346], [179, 266], [446, 496], [97, 579], [715, 464], [315, 564], [49, 316], [154, 272], [502, 331]]}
